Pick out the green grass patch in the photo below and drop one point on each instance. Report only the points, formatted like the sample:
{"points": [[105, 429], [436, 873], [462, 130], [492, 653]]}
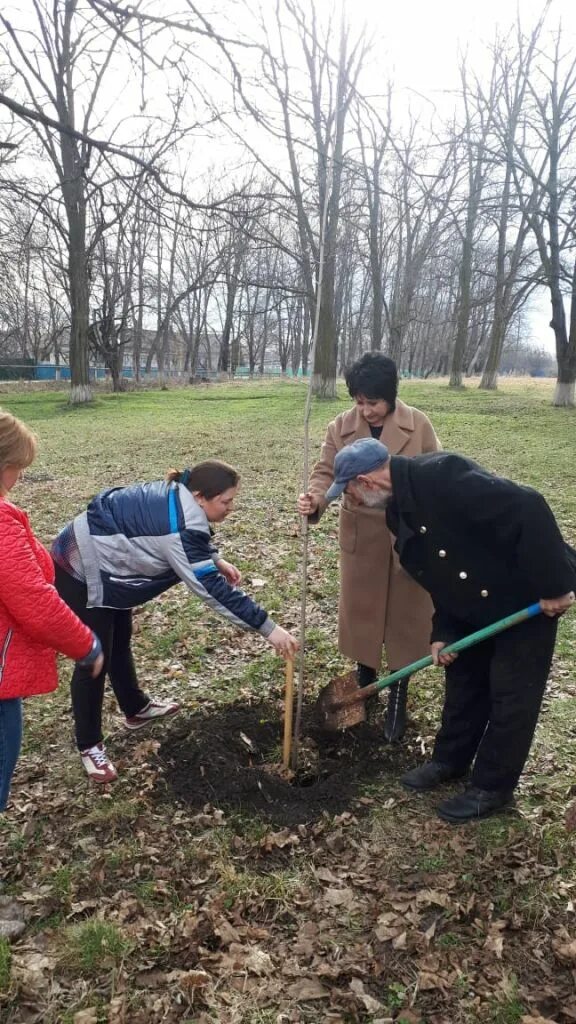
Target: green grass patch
{"points": [[174, 860], [448, 940], [113, 814], [61, 883], [509, 1010], [93, 946], [248, 887], [5, 964]]}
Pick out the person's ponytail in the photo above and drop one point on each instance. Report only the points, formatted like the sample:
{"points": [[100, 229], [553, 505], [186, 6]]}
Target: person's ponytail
{"points": [[208, 478]]}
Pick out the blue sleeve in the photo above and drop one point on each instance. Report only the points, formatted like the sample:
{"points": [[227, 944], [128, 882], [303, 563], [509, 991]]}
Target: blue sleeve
{"points": [[191, 556], [234, 602]]}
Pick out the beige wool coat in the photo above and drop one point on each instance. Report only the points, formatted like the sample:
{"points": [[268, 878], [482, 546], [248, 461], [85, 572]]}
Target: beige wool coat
{"points": [[379, 605]]}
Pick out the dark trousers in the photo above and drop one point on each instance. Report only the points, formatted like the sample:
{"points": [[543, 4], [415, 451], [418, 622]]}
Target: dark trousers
{"points": [[365, 674], [114, 629], [10, 743], [493, 696]]}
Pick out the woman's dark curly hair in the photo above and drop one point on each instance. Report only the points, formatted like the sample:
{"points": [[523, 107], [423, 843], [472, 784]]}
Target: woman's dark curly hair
{"points": [[375, 376]]}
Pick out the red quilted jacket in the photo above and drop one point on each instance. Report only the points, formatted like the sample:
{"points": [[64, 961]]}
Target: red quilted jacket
{"points": [[34, 621]]}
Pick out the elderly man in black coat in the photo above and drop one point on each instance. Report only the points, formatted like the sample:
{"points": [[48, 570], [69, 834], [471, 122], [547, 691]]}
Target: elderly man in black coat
{"points": [[483, 547]]}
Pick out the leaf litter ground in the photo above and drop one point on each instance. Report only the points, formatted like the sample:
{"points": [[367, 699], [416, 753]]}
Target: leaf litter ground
{"points": [[186, 892]]}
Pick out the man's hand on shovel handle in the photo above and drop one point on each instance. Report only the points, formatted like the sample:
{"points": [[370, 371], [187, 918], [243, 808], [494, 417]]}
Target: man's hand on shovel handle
{"points": [[552, 606], [437, 657]]}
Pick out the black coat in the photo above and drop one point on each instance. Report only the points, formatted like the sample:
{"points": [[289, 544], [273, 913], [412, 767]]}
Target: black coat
{"points": [[482, 546]]}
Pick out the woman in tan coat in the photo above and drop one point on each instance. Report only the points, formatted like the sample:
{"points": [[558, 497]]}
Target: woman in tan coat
{"points": [[380, 605]]}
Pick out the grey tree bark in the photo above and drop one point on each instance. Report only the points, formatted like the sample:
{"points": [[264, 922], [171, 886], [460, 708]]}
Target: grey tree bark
{"points": [[548, 199]]}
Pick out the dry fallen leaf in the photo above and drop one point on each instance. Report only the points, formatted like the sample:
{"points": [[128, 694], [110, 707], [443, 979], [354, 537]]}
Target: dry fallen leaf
{"points": [[88, 1016], [495, 944], [430, 980], [340, 898], [528, 1019], [143, 750], [226, 932], [117, 1010], [565, 951], [32, 972], [570, 820], [279, 840], [258, 962], [427, 896], [307, 988], [188, 981], [370, 1004]]}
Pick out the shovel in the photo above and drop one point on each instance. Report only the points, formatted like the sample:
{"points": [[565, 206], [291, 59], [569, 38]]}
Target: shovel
{"points": [[342, 703]]}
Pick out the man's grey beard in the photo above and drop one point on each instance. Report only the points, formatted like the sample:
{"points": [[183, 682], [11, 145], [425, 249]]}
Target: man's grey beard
{"points": [[372, 498]]}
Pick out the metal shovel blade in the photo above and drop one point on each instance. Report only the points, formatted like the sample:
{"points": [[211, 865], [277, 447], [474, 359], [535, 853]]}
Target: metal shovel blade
{"points": [[336, 707], [342, 702]]}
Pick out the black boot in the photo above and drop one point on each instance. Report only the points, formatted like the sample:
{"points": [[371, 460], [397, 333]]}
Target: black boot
{"points": [[474, 803], [395, 723], [430, 775], [365, 674]]}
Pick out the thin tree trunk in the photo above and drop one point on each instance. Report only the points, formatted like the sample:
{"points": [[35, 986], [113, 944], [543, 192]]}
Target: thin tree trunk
{"points": [[564, 394]]}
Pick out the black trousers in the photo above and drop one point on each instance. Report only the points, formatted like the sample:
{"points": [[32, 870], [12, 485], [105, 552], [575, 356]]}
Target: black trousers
{"points": [[366, 674], [114, 629], [493, 696]]}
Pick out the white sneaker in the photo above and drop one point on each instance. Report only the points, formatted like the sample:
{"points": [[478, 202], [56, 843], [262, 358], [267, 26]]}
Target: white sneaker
{"points": [[153, 710], [97, 764]]}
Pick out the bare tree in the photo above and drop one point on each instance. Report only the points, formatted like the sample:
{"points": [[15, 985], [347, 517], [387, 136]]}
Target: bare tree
{"points": [[512, 282], [62, 40], [374, 138], [545, 177], [417, 219], [314, 133], [475, 133], [63, 64]]}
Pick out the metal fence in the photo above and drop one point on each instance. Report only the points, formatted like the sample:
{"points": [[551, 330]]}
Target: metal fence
{"points": [[25, 370]]}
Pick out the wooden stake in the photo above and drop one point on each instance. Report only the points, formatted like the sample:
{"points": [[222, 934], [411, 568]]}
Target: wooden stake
{"points": [[305, 469], [288, 710]]}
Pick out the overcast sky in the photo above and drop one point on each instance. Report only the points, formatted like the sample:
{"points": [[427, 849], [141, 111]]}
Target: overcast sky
{"points": [[421, 39], [419, 47]]}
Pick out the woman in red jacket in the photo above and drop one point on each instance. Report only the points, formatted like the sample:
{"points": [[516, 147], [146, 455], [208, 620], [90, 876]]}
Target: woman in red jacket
{"points": [[34, 621]]}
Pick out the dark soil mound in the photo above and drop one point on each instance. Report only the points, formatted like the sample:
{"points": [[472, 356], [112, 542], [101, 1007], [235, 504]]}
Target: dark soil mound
{"points": [[229, 759]]}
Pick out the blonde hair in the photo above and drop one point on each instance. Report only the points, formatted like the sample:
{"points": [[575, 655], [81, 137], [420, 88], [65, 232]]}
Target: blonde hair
{"points": [[18, 444]]}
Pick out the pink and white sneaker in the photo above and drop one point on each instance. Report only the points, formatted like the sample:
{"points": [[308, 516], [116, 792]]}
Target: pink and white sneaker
{"points": [[154, 709], [97, 764]]}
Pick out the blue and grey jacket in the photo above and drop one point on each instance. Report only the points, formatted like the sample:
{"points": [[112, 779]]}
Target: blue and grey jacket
{"points": [[133, 543]]}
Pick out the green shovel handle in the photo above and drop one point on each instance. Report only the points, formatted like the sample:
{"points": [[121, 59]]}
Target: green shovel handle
{"points": [[458, 645]]}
